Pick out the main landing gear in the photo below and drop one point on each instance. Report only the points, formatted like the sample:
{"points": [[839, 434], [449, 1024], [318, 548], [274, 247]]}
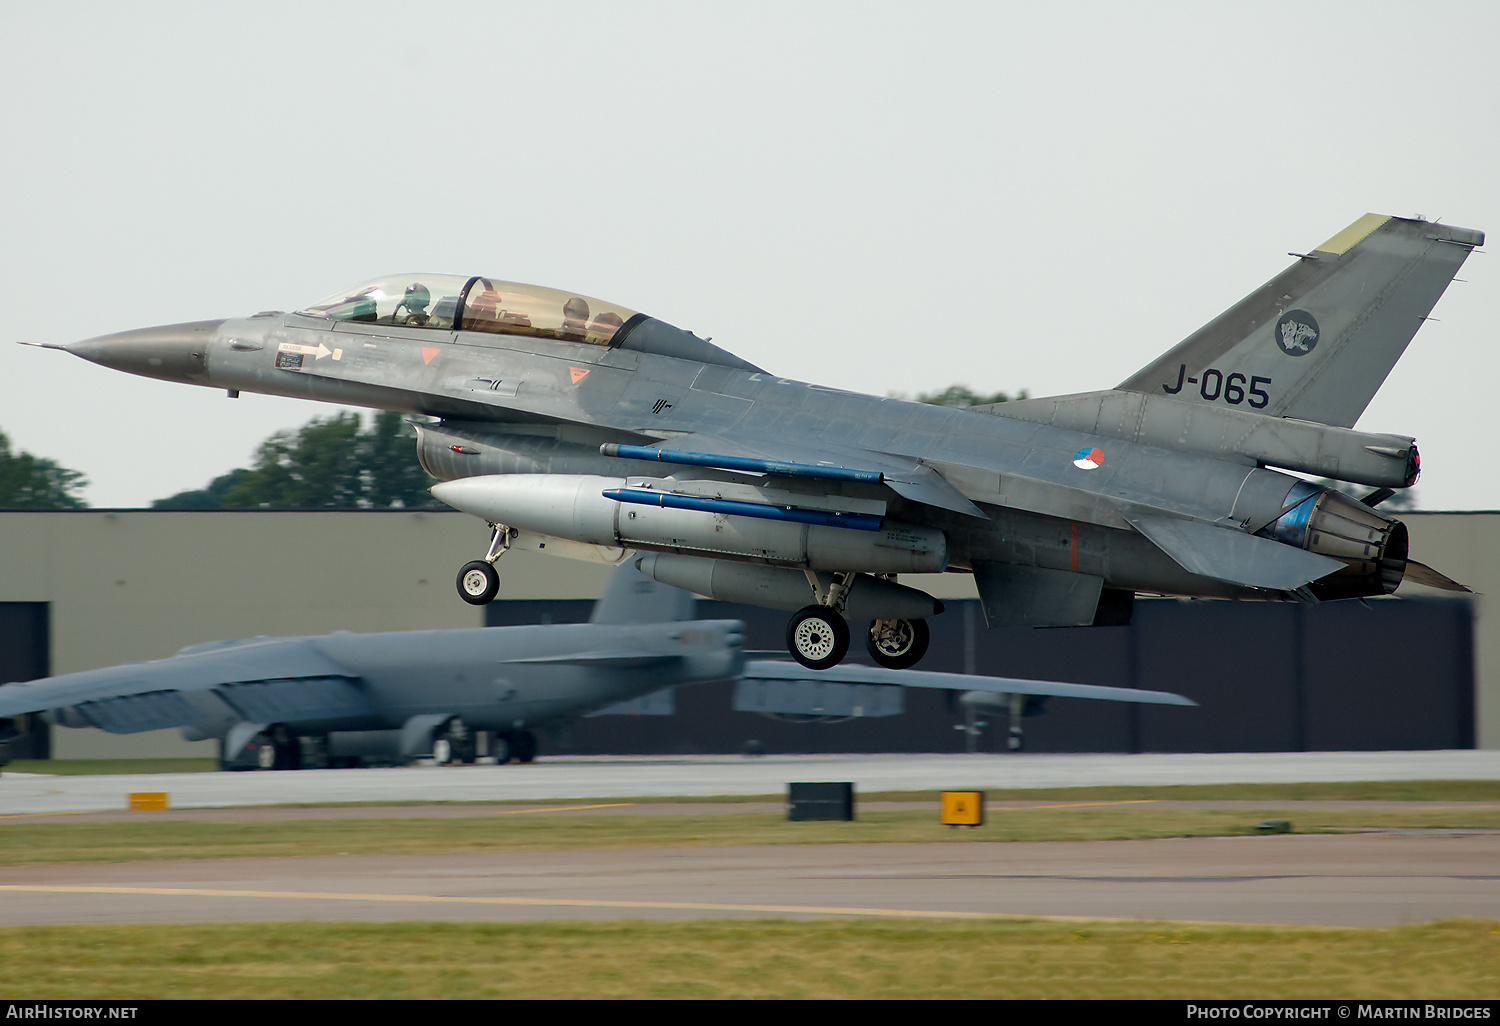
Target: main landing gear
{"points": [[818, 637], [479, 581]]}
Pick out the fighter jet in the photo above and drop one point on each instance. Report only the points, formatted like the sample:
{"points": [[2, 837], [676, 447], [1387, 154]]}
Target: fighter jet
{"points": [[583, 428], [400, 696]]}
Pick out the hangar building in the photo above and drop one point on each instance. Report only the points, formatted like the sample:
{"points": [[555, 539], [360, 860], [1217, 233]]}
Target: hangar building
{"points": [[90, 588]]}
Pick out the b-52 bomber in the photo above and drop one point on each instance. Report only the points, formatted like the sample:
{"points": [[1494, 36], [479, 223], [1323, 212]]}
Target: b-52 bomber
{"points": [[410, 694], [578, 427]]}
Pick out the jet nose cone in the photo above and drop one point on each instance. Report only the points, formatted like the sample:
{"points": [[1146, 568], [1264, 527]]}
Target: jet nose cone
{"points": [[172, 352]]}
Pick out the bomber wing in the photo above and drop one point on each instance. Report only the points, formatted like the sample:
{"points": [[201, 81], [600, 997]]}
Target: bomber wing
{"points": [[764, 670], [261, 681]]}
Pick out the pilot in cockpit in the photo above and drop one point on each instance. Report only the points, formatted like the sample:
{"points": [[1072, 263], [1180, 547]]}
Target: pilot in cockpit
{"points": [[414, 304], [575, 320]]}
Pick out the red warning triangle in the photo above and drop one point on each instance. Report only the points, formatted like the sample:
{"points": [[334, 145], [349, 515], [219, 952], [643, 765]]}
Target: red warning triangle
{"points": [[578, 373], [429, 353]]}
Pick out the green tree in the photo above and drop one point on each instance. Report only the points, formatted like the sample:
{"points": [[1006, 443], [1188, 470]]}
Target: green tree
{"points": [[330, 462], [31, 482], [960, 396]]}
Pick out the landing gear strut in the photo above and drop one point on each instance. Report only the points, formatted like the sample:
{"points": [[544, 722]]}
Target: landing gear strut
{"points": [[479, 581]]}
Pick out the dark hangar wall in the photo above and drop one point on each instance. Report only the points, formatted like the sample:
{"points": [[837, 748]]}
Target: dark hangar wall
{"points": [[1391, 674], [23, 656]]}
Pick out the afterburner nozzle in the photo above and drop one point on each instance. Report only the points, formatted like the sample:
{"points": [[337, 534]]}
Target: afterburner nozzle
{"points": [[172, 352]]}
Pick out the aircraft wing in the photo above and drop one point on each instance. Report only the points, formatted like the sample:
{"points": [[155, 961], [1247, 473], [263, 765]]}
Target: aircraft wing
{"points": [[282, 678], [908, 477], [602, 658], [764, 670]]}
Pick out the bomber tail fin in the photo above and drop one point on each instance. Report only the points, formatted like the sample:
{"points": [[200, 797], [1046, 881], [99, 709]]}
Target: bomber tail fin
{"points": [[1317, 341], [632, 597]]}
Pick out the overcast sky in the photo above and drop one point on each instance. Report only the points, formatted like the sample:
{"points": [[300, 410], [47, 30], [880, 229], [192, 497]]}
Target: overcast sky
{"points": [[880, 197]]}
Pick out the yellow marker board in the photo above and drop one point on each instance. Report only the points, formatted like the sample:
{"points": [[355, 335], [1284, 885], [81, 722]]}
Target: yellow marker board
{"points": [[147, 801], [963, 808]]}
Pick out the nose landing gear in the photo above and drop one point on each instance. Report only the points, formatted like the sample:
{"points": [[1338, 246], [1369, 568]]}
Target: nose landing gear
{"points": [[479, 581]]}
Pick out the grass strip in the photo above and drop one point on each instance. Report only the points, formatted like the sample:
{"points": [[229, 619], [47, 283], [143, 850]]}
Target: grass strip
{"points": [[1029, 959], [32, 842]]}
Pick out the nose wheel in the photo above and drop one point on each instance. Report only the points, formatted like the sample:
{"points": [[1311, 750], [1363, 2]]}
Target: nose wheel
{"points": [[479, 581]]}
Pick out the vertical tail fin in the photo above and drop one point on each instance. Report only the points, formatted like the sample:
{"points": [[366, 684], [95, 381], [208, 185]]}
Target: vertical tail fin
{"points": [[632, 597], [1317, 341]]}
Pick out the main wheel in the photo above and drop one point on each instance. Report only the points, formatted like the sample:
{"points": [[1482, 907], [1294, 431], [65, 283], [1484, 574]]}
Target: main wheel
{"points": [[500, 748], [817, 637], [279, 750], [524, 746], [455, 744], [478, 583], [898, 644]]}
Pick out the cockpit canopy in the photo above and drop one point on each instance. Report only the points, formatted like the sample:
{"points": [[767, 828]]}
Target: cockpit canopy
{"points": [[450, 302]]}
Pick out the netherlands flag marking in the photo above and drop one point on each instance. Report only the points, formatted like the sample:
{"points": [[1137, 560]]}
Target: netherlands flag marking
{"points": [[1088, 459]]}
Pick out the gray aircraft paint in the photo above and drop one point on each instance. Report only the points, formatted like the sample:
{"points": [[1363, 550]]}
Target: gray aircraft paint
{"points": [[1071, 484]]}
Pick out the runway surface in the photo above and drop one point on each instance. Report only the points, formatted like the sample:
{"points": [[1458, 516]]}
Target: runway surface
{"points": [[1368, 879], [1378, 879], [627, 776]]}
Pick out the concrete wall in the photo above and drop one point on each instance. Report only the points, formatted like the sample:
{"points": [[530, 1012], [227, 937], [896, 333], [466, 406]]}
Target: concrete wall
{"points": [[135, 585]]}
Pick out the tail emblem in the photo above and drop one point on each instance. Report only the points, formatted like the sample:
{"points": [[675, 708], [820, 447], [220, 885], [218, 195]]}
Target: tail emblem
{"points": [[1297, 333]]}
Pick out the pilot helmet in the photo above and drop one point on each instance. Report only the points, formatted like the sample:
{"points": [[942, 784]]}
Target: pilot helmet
{"points": [[417, 296]]}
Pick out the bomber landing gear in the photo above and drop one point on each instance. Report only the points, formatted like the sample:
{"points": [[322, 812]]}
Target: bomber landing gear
{"points": [[454, 744], [898, 644], [513, 747], [479, 581], [279, 750]]}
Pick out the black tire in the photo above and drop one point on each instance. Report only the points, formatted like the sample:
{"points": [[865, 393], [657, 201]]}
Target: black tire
{"points": [[523, 746], [478, 583], [279, 750], [502, 747], [454, 744], [901, 646], [817, 637]]}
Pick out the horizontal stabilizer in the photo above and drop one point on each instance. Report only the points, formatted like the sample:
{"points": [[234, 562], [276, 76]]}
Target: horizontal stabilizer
{"points": [[1421, 573], [763, 670], [1233, 556]]}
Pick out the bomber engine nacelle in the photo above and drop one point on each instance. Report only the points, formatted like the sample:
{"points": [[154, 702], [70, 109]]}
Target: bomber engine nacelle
{"points": [[1372, 546]]}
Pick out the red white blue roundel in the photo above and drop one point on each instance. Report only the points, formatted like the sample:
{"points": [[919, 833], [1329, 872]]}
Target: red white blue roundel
{"points": [[1088, 459]]}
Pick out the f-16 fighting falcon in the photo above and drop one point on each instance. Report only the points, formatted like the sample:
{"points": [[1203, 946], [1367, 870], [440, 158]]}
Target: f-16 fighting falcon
{"points": [[582, 428], [396, 696]]}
